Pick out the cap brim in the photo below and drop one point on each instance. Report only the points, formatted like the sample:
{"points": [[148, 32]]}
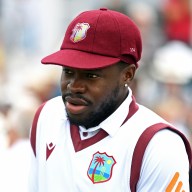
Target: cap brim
{"points": [[79, 59]]}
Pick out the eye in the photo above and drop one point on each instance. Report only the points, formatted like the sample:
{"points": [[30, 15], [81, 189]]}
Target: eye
{"points": [[67, 71], [92, 75]]}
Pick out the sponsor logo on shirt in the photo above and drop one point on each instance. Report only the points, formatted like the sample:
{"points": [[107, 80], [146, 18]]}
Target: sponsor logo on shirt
{"points": [[49, 149], [175, 185]]}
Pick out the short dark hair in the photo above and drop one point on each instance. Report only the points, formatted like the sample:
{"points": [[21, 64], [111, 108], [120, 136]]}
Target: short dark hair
{"points": [[122, 65]]}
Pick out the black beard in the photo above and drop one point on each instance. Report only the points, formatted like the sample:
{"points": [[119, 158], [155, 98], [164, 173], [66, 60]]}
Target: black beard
{"points": [[101, 113]]}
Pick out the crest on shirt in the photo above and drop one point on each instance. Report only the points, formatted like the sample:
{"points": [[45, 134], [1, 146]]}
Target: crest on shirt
{"points": [[101, 167], [79, 32]]}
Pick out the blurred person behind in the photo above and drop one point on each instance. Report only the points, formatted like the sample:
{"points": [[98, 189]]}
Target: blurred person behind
{"points": [[174, 110], [176, 16], [170, 74], [45, 84], [15, 161], [147, 18]]}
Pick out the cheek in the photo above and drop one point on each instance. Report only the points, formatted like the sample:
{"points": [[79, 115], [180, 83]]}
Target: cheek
{"points": [[63, 84], [100, 93]]}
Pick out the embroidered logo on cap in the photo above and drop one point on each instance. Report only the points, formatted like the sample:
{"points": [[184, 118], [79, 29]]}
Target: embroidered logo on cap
{"points": [[79, 32]]}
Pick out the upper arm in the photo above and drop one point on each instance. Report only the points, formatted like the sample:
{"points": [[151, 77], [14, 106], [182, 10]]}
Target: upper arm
{"points": [[164, 158]]}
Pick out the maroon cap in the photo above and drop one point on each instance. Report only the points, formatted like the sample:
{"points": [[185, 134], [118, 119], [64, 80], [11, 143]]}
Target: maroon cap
{"points": [[97, 39]]}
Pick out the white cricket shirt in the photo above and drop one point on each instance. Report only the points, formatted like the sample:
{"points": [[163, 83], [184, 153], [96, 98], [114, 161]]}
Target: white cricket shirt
{"points": [[65, 160]]}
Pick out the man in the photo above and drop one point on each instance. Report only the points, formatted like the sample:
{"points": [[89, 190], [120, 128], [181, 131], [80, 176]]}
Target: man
{"points": [[89, 139]]}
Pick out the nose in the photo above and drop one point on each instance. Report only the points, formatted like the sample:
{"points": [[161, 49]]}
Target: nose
{"points": [[76, 85]]}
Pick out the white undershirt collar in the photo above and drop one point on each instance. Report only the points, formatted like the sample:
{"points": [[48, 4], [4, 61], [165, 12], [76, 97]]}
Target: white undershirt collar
{"points": [[114, 121]]}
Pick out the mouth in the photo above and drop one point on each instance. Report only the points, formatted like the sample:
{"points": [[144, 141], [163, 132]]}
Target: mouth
{"points": [[75, 105]]}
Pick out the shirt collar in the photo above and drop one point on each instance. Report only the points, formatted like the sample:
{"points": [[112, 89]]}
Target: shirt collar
{"points": [[114, 121]]}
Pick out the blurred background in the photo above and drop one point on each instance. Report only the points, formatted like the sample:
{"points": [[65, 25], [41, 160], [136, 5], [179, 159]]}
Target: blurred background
{"points": [[32, 29]]}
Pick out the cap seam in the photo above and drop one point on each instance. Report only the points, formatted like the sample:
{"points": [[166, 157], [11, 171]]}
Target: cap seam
{"points": [[117, 23], [95, 33]]}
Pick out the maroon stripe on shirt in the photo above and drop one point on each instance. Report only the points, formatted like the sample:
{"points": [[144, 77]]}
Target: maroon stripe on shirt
{"points": [[34, 128], [141, 146]]}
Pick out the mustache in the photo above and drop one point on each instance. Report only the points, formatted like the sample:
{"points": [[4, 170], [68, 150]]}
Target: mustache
{"points": [[76, 96]]}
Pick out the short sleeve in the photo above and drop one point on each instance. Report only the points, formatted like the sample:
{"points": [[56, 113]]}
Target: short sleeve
{"points": [[165, 164]]}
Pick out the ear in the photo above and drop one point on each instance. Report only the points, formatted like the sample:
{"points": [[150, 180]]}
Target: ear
{"points": [[128, 73]]}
